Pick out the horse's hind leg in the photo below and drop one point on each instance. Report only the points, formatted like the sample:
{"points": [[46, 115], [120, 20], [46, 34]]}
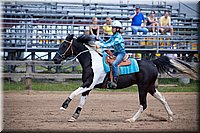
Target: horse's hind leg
{"points": [[161, 98], [79, 108], [143, 105]]}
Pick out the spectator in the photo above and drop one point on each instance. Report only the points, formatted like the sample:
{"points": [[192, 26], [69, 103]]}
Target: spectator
{"points": [[94, 28], [165, 23], [152, 22], [107, 28], [137, 20]]}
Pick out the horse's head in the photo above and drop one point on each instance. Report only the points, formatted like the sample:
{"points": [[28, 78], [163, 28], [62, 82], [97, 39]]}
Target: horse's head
{"points": [[65, 50]]}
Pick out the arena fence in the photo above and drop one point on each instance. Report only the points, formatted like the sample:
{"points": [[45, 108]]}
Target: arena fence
{"points": [[30, 25], [29, 73], [40, 27]]}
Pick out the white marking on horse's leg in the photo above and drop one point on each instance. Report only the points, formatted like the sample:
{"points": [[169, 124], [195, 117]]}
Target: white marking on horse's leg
{"points": [[161, 98], [62, 109], [136, 116], [82, 101], [72, 119], [78, 91], [78, 109]]}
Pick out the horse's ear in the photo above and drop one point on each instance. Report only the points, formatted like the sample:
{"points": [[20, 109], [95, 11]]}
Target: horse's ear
{"points": [[69, 37], [72, 35]]}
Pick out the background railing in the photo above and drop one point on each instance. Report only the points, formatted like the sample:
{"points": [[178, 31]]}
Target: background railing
{"points": [[34, 30]]}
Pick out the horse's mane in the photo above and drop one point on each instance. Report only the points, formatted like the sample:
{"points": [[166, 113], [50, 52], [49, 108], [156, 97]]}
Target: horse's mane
{"points": [[89, 41], [84, 38]]}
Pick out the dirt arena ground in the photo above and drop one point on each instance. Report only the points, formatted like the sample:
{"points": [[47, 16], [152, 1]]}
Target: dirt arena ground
{"points": [[104, 111]]}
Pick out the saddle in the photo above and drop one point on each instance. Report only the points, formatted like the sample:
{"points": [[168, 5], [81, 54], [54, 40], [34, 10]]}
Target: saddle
{"points": [[111, 58]]}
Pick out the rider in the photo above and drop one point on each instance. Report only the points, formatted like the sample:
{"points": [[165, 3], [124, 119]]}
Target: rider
{"points": [[117, 42]]}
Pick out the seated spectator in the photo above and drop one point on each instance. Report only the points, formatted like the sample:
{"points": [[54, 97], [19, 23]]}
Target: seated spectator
{"points": [[137, 20], [152, 22], [107, 28], [94, 28], [165, 24]]}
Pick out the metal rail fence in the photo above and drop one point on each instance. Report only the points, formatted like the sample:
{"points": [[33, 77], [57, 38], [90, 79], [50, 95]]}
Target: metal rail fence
{"points": [[37, 24], [41, 27]]}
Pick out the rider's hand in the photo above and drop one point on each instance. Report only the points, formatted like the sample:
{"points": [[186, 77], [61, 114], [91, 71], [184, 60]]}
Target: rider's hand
{"points": [[97, 47]]}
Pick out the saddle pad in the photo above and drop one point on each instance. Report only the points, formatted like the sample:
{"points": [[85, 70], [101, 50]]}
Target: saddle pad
{"points": [[122, 69]]}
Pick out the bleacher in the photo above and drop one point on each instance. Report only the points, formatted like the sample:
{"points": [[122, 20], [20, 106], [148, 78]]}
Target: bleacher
{"points": [[41, 27]]}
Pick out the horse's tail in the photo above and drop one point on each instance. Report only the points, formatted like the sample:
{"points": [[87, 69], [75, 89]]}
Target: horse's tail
{"points": [[164, 64]]}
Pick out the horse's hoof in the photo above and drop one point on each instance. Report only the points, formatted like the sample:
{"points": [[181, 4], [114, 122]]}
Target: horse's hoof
{"points": [[130, 120], [62, 109], [170, 119], [72, 119]]}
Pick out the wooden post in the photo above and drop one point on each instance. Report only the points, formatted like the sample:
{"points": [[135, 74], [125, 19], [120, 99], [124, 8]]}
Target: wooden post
{"points": [[33, 58], [49, 59], [28, 76]]}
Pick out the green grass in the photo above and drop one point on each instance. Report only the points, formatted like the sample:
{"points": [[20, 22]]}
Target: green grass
{"points": [[128, 89], [180, 88], [42, 86], [71, 85], [13, 86]]}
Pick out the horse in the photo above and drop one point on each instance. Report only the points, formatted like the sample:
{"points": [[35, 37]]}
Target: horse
{"points": [[94, 76]]}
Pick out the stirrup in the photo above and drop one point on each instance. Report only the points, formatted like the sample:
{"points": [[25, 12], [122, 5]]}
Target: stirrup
{"points": [[111, 85]]}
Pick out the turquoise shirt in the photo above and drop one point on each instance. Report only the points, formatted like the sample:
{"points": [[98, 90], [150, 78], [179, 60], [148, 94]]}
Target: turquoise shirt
{"points": [[116, 41]]}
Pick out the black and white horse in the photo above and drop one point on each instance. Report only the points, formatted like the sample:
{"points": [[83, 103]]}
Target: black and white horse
{"points": [[94, 76]]}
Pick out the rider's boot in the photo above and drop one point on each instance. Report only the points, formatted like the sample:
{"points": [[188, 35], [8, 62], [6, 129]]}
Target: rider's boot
{"points": [[115, 80], [114, 83]]}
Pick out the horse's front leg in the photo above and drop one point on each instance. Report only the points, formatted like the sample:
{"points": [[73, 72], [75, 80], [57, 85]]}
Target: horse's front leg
{"points": [[72, 95], [79, 108]]}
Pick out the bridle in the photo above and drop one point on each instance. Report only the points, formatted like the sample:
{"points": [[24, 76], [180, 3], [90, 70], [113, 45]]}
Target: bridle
{"points": [[70, 47]]}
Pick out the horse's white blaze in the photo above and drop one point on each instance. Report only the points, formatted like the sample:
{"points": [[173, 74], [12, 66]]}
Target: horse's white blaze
{"points": [[97, 66]]}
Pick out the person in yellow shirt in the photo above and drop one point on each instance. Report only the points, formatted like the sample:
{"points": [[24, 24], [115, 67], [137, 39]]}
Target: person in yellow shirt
{"points": [[107, 28], [165, 24]]}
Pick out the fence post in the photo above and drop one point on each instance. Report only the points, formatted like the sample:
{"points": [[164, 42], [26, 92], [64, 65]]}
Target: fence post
{"points": [[28, 76], [157, 41]]}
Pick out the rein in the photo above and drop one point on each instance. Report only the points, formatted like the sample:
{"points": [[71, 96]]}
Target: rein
{"points": [[70, 46], [79, 55], [82, 53]]}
